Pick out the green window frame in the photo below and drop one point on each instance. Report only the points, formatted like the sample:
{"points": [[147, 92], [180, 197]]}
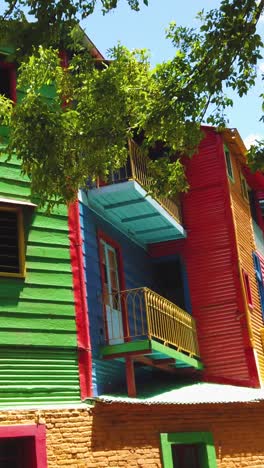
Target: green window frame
{"points": [[203, 439], [229, 166]]}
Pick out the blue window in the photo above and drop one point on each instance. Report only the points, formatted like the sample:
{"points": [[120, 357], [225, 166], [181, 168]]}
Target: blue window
{"points": [[259, 280]]}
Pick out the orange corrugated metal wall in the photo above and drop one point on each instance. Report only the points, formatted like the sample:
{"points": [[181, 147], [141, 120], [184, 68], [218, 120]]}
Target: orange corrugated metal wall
{"points": [[246, 246]]}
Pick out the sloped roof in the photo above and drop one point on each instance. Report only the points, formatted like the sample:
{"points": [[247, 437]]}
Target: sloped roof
{"points": [[193, 394]]}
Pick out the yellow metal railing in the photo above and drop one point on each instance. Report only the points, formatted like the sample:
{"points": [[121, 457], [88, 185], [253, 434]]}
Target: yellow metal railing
{"points": [[137, 168], [150, 316]]}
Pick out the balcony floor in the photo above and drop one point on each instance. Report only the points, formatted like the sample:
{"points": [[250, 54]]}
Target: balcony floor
{"points": [[152, 353], [129, 207]]}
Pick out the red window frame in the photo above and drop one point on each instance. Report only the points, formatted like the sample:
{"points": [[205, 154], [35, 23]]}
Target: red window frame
{"points": [[101, 235], [247, 288], [37, 432], [12, 77]]}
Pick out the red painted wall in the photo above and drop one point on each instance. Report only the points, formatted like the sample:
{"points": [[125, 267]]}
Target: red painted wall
{"points": [[212, 267], [81, 308]]}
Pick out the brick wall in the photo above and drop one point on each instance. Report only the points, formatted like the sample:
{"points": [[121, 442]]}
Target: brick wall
{"points": [[237, 431], [128, 436]]}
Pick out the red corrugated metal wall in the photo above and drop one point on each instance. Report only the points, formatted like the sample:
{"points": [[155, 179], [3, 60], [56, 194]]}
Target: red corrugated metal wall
{"points": [[211, 261]]}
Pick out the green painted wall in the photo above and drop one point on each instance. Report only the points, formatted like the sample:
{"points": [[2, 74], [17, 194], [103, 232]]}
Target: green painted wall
{"points": [[38, 310], [39, 376], [38, 342]]}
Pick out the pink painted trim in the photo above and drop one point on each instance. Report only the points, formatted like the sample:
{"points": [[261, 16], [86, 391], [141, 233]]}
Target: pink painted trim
{"points": [[36, 431], [81, 307]]}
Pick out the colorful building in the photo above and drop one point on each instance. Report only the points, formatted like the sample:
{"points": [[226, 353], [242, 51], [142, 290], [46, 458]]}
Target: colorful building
{"points": [[174, 292], [44, 355], [131, 325], [187, 268]]}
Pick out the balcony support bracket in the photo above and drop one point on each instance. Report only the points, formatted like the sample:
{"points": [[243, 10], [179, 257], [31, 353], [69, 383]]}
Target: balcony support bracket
{"points": [[130, 378], [153, 350]]}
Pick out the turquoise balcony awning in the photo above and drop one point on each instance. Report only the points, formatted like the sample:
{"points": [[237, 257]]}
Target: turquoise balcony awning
{"points": [[137, 214]]}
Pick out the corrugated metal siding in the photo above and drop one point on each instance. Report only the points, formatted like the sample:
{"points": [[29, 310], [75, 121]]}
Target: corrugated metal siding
{"points": [[38, 376], [210, 259], [38, 311], [246, 246], [211, 264], [138, 272]]}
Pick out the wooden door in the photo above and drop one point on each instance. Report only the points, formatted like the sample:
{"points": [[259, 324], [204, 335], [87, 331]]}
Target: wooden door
{"points": [[111, 292]]}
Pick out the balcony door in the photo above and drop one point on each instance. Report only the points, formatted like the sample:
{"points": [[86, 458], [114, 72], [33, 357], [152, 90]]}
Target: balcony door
{"points": [[111, 293], [170, 281]]}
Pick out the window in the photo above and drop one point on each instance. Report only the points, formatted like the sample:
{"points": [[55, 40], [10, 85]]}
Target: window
{"points": [[23, 446], [244, 187], [17, 452], [247, 288], [229, 167], [188, 450], [261, 205], [253, 206], [12, 249], [185, 455], [259, 278], [7, 79]]}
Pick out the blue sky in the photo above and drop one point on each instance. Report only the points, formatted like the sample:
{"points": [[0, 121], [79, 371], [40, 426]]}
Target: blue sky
{"points": [[146, 29]]}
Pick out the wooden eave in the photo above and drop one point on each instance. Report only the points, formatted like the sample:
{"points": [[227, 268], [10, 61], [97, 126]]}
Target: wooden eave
{"points": [[235, 144]]}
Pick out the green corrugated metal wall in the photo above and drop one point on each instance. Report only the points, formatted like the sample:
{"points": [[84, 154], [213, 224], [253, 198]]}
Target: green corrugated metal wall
{"points": [[38, 376], [38, 348]]}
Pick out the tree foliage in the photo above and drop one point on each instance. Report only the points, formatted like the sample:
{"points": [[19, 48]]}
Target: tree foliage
{"points": [[84, 130], [62, 10], [46, 22]]}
